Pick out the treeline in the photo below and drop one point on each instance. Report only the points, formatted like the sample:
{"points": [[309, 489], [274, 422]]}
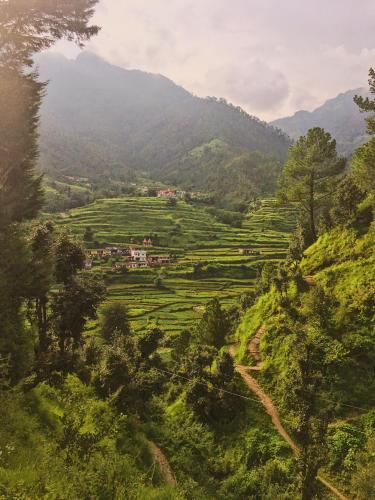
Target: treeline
{"points": [[232, 177]]}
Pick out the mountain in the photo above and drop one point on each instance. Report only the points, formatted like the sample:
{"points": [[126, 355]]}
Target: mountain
{"points": [[97, 117], [339, 116]]}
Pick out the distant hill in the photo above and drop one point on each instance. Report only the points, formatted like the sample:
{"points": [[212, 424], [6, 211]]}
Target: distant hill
{"points": [[233, 176], [339, 116], [101, 118]]}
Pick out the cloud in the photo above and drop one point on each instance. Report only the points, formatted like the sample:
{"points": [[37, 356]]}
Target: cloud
{"points": [[252, 84], [270, 57]]}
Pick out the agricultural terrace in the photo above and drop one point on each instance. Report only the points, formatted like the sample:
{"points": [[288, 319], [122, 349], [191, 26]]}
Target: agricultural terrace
{"points": [[209, 263]]}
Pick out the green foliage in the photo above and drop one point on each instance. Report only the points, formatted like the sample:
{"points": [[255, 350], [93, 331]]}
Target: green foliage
{"points": [[72, 307], [311, 174], [180, 344], [89, 234], [70, 257], [366, 104], [346, 210], [214, 326], [129, 371], [114, 321], [344, 444], [364, 167], [16, 343], [208, 392], [171, 202], [63, 442]]}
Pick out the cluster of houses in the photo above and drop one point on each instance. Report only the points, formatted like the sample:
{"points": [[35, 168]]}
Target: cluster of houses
{"points": [[128, 257], [163, 193], [76, 180], [249, 251]]}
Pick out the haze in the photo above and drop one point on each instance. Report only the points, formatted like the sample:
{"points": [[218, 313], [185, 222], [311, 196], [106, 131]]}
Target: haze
{"points": [[270, 57]]}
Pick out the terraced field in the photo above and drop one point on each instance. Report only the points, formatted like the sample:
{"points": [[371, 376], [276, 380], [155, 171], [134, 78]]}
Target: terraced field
{"points": [[194, 236]]}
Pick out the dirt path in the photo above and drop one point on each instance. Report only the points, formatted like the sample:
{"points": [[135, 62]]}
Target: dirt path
{"points": [[253, 385], [310, 280], [165, 469], [253, 349], [267, 403]]}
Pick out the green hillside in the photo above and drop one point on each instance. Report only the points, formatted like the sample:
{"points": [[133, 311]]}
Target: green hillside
{"points": [[99, 120], [196, 237], [337, 310]]}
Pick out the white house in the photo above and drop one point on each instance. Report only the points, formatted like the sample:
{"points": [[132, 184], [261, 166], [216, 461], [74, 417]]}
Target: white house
{"points": [[138, 255]]}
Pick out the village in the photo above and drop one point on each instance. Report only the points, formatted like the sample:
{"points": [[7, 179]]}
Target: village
{"points": [[129, 257]]}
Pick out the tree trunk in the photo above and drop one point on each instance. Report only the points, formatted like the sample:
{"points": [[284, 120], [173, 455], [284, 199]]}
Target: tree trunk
{"points": [[312, 209], [41, 306]]}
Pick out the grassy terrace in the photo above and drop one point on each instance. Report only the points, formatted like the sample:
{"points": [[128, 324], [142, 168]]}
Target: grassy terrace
{"points": [[195, 236]]}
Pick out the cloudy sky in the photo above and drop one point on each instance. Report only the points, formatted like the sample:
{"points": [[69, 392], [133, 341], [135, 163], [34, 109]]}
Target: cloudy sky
{"points": [[272, 57]]}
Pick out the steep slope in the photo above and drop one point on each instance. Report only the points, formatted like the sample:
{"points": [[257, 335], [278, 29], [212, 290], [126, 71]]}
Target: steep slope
{"points": [[340, 312], [97, 116], [339, 116], [233, 177]]}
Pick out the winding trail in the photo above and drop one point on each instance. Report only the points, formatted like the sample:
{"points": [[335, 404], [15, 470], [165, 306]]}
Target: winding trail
{"points": [[162, 461], [271, 409], [267, 403], [253, 349]]}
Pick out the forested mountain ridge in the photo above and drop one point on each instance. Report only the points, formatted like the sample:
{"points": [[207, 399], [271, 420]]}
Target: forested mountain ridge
{"points": [[96, 116], [338, 116]]}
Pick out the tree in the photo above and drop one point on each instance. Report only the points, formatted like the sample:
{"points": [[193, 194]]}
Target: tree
{"points": [[69, 256], [214, 325], [207, 390], [346, 201], [89, 234], [363, 167], [158, 282], [171, 202], [366, 104], [26, 27], [309, 380], [15, 281], [311, 174], [129, 371], [72, 306], [180, 344], [148, 343], [21, 194], [43, 267], [114, 321]]}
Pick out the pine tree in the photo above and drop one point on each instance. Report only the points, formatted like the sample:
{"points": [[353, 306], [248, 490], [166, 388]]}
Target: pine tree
{"points": [[311, 174], [26, 27], [366, 104]]}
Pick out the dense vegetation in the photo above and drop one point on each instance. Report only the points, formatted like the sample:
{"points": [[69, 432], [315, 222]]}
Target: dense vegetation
{"points": [[94, 405], [317, 344]]}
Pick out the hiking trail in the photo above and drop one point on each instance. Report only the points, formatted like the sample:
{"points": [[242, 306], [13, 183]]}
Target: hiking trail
{"points": [[162, 461], [271, 409]]}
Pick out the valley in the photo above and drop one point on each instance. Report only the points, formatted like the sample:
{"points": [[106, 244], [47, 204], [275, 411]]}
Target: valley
{"points": [[187, 293], [208, 259]]}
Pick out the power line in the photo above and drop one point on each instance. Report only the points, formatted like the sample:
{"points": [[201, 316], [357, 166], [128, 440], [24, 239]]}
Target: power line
{"points": [[246, 397], [213, 386]]}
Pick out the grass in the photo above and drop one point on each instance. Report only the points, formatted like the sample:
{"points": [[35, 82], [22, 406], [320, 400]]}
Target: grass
{"points": [[194, 236]]}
